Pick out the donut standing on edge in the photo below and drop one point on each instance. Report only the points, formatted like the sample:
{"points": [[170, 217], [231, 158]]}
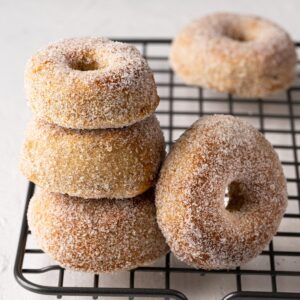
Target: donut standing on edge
{"points": [[243, 55], [217, 153]]}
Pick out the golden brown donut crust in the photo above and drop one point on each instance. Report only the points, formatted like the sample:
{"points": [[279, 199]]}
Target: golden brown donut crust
{"points": [[217, 152], [102, 163], [89, 83], [239, 54], [96, 236]]}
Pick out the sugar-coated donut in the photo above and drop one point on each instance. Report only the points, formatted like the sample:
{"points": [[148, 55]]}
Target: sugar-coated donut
{"points": [[89, 83], [97, 236], [100, 163], [239, 54], [215, 153]]}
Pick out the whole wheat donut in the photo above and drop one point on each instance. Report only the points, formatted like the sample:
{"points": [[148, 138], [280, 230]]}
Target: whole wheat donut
{"points": [[243, 55], [100, 163], [215, 153], [88, 83], [97, 236]]}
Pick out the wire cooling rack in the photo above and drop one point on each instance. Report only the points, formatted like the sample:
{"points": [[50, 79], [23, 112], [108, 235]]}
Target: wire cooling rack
{"points": [[275, 274]]}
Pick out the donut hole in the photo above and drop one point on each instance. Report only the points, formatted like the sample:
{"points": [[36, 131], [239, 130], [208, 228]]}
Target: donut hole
{"points": [[239, 35], [86, 66], [235, 196], [87, 63]]}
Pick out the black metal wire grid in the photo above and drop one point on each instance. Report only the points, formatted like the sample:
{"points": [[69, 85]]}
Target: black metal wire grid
{"points": [[277, 267]]}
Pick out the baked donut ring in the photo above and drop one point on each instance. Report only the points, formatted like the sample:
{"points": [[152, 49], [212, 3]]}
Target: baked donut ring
{"points": [[100, 163], [97, 236], [243, 55], [215, 153], [89, 83]]}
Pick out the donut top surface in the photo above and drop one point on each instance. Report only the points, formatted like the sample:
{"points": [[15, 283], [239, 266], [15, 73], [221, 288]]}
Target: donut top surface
{"points": [[90, 58], [240, 34], [90, 83]]}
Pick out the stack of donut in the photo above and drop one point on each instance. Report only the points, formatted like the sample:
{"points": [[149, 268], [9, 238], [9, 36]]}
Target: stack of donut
{"points": [[94, 149]]}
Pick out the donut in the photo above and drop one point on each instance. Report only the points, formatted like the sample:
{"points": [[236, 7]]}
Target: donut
{"points": [[244, 55], [99, 163], [90, 83], [96, 236], [216, 153]]}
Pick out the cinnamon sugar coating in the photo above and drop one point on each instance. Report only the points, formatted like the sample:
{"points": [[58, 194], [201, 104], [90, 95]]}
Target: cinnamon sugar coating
{"points": [[89, 83], [96, 236], [239, 54], [215, 153], [100, 163]]}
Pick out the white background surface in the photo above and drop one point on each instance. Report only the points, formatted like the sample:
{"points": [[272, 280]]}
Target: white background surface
{"points": [[28, 25]]}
